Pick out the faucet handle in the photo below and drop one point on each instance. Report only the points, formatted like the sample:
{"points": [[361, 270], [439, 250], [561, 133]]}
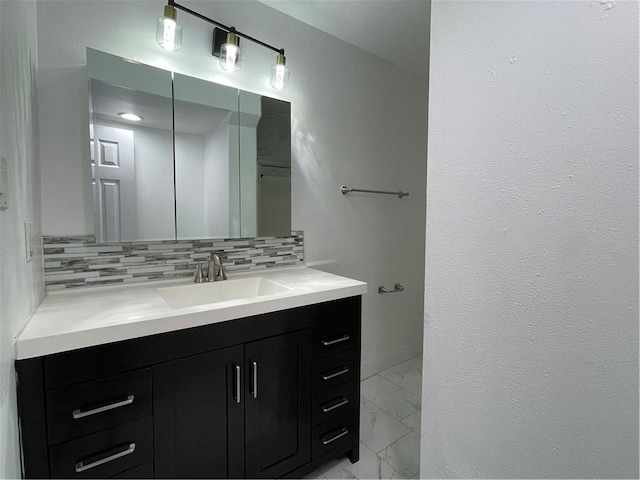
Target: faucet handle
{"points": [[220, 273], [199, 278], [212, 269]]}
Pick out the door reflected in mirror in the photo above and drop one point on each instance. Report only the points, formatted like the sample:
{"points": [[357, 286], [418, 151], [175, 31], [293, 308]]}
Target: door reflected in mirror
{"points": [[131, 160], [202, 161]]}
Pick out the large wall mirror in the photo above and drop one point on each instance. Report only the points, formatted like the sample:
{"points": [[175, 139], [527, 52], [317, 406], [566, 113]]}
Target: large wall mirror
{"points": [[196, 159]]}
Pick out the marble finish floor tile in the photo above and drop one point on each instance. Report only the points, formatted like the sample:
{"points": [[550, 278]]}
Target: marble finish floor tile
{"points": [[404, 455], [370, 466], [413, 421], [389, 397], [407, 375], [378, 429]]}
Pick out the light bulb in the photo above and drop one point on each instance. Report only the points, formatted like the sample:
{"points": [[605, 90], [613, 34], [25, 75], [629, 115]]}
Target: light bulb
{"points": [[168, 30], [280, 73], [230, 54]]}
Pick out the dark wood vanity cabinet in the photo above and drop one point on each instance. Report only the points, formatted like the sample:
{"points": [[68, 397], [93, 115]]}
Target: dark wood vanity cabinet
{"points": [[278, 405], [196, 421], [270, 396]]}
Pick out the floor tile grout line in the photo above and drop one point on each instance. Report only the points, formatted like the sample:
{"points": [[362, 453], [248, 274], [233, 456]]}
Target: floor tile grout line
{"points": [[397, 364], [394, 366], [400, 473], [394, 418], [391, 466], [417, 411], [397, 384], [401, 421], [400, 438], [391, 415]]}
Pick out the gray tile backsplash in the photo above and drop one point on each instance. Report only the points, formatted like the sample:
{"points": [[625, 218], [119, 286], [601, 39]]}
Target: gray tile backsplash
{"points": [[77, 261]]}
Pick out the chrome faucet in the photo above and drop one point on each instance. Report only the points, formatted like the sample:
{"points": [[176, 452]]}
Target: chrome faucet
{"points": [[215, 272]]}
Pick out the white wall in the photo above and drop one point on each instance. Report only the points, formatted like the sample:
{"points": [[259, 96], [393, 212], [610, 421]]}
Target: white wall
{"points": [[154, 183], [190, 185], [22, 282], [357, 120], [531, 318], [248, 173], [216, 180]]}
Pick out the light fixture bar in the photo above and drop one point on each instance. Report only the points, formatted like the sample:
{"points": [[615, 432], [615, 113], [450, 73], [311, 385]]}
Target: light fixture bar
{"points": [[225, 27]]}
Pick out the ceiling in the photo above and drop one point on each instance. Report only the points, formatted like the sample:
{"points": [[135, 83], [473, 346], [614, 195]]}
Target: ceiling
{"points": [[395, 30], [108, 100]]}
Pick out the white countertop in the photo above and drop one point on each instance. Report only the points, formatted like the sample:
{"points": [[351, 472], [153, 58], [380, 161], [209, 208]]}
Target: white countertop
{"points": [[94, 316]]}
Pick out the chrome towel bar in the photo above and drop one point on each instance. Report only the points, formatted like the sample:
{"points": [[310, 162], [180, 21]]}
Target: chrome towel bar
{"points": [[396, 288], [344, 190]]}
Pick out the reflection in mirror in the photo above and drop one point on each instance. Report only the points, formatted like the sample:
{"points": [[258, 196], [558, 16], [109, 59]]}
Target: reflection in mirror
{"points": [[206, 157], [131, 161], [265, 165], [231, 175]]}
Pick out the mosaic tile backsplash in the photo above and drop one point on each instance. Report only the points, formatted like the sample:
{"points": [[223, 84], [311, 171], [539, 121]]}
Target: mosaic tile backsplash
{"points": [[76, 262]]}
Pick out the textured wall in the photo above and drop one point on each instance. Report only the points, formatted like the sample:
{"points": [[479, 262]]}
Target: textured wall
{"points": [[22, 282], [356, 120], [531, 318]]}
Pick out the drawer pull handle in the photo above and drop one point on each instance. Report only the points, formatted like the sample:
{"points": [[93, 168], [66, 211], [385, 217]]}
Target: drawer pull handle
{"points": [[343, 338], [236, 394], [81, 467], [254, 379], [80, 414], [328, 439], [329, 376], [341, 401]]}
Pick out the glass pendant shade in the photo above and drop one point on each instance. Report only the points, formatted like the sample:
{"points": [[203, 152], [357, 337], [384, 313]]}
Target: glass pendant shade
{"points": [[230, 54], [168, 30], [280, 73]]}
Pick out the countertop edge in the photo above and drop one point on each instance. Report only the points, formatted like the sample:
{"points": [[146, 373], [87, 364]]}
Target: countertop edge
{"points": [[30, 348]]}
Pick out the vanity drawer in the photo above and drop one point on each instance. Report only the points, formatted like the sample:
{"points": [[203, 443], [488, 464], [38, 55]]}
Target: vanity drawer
{"points": [[332, 403], [335, 337], [334, 436], [106, 453], [332, 371], [89, 407]]}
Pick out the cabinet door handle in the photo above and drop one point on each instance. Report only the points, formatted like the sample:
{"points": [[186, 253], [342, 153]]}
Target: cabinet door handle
{"points": [[80, 414], [329, 376], [254, 379], [333, 404], [326, 440], [343, 338], [81, 467], [236, 394]]}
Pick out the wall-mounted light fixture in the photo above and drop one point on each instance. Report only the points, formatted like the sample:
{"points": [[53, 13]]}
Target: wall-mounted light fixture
{"points": [[229, 52], [168, 30], [280, 72], [226, 43]]}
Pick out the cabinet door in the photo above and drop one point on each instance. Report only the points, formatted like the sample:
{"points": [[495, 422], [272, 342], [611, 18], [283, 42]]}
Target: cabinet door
{"points": [[198, 417], [278, 405]]}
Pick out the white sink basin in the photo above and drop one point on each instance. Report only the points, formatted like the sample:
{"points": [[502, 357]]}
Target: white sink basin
{"points": [[223, 291]]}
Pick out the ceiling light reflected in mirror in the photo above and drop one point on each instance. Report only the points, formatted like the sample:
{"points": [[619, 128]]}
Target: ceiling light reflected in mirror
{"points": [[132, 117]]}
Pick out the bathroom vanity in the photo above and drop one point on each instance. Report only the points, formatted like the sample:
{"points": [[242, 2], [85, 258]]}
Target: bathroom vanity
{"points": [[115, 383]]}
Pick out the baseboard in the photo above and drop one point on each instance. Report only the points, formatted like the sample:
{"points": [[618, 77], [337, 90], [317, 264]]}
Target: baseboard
{"points": [[381, 364]]}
